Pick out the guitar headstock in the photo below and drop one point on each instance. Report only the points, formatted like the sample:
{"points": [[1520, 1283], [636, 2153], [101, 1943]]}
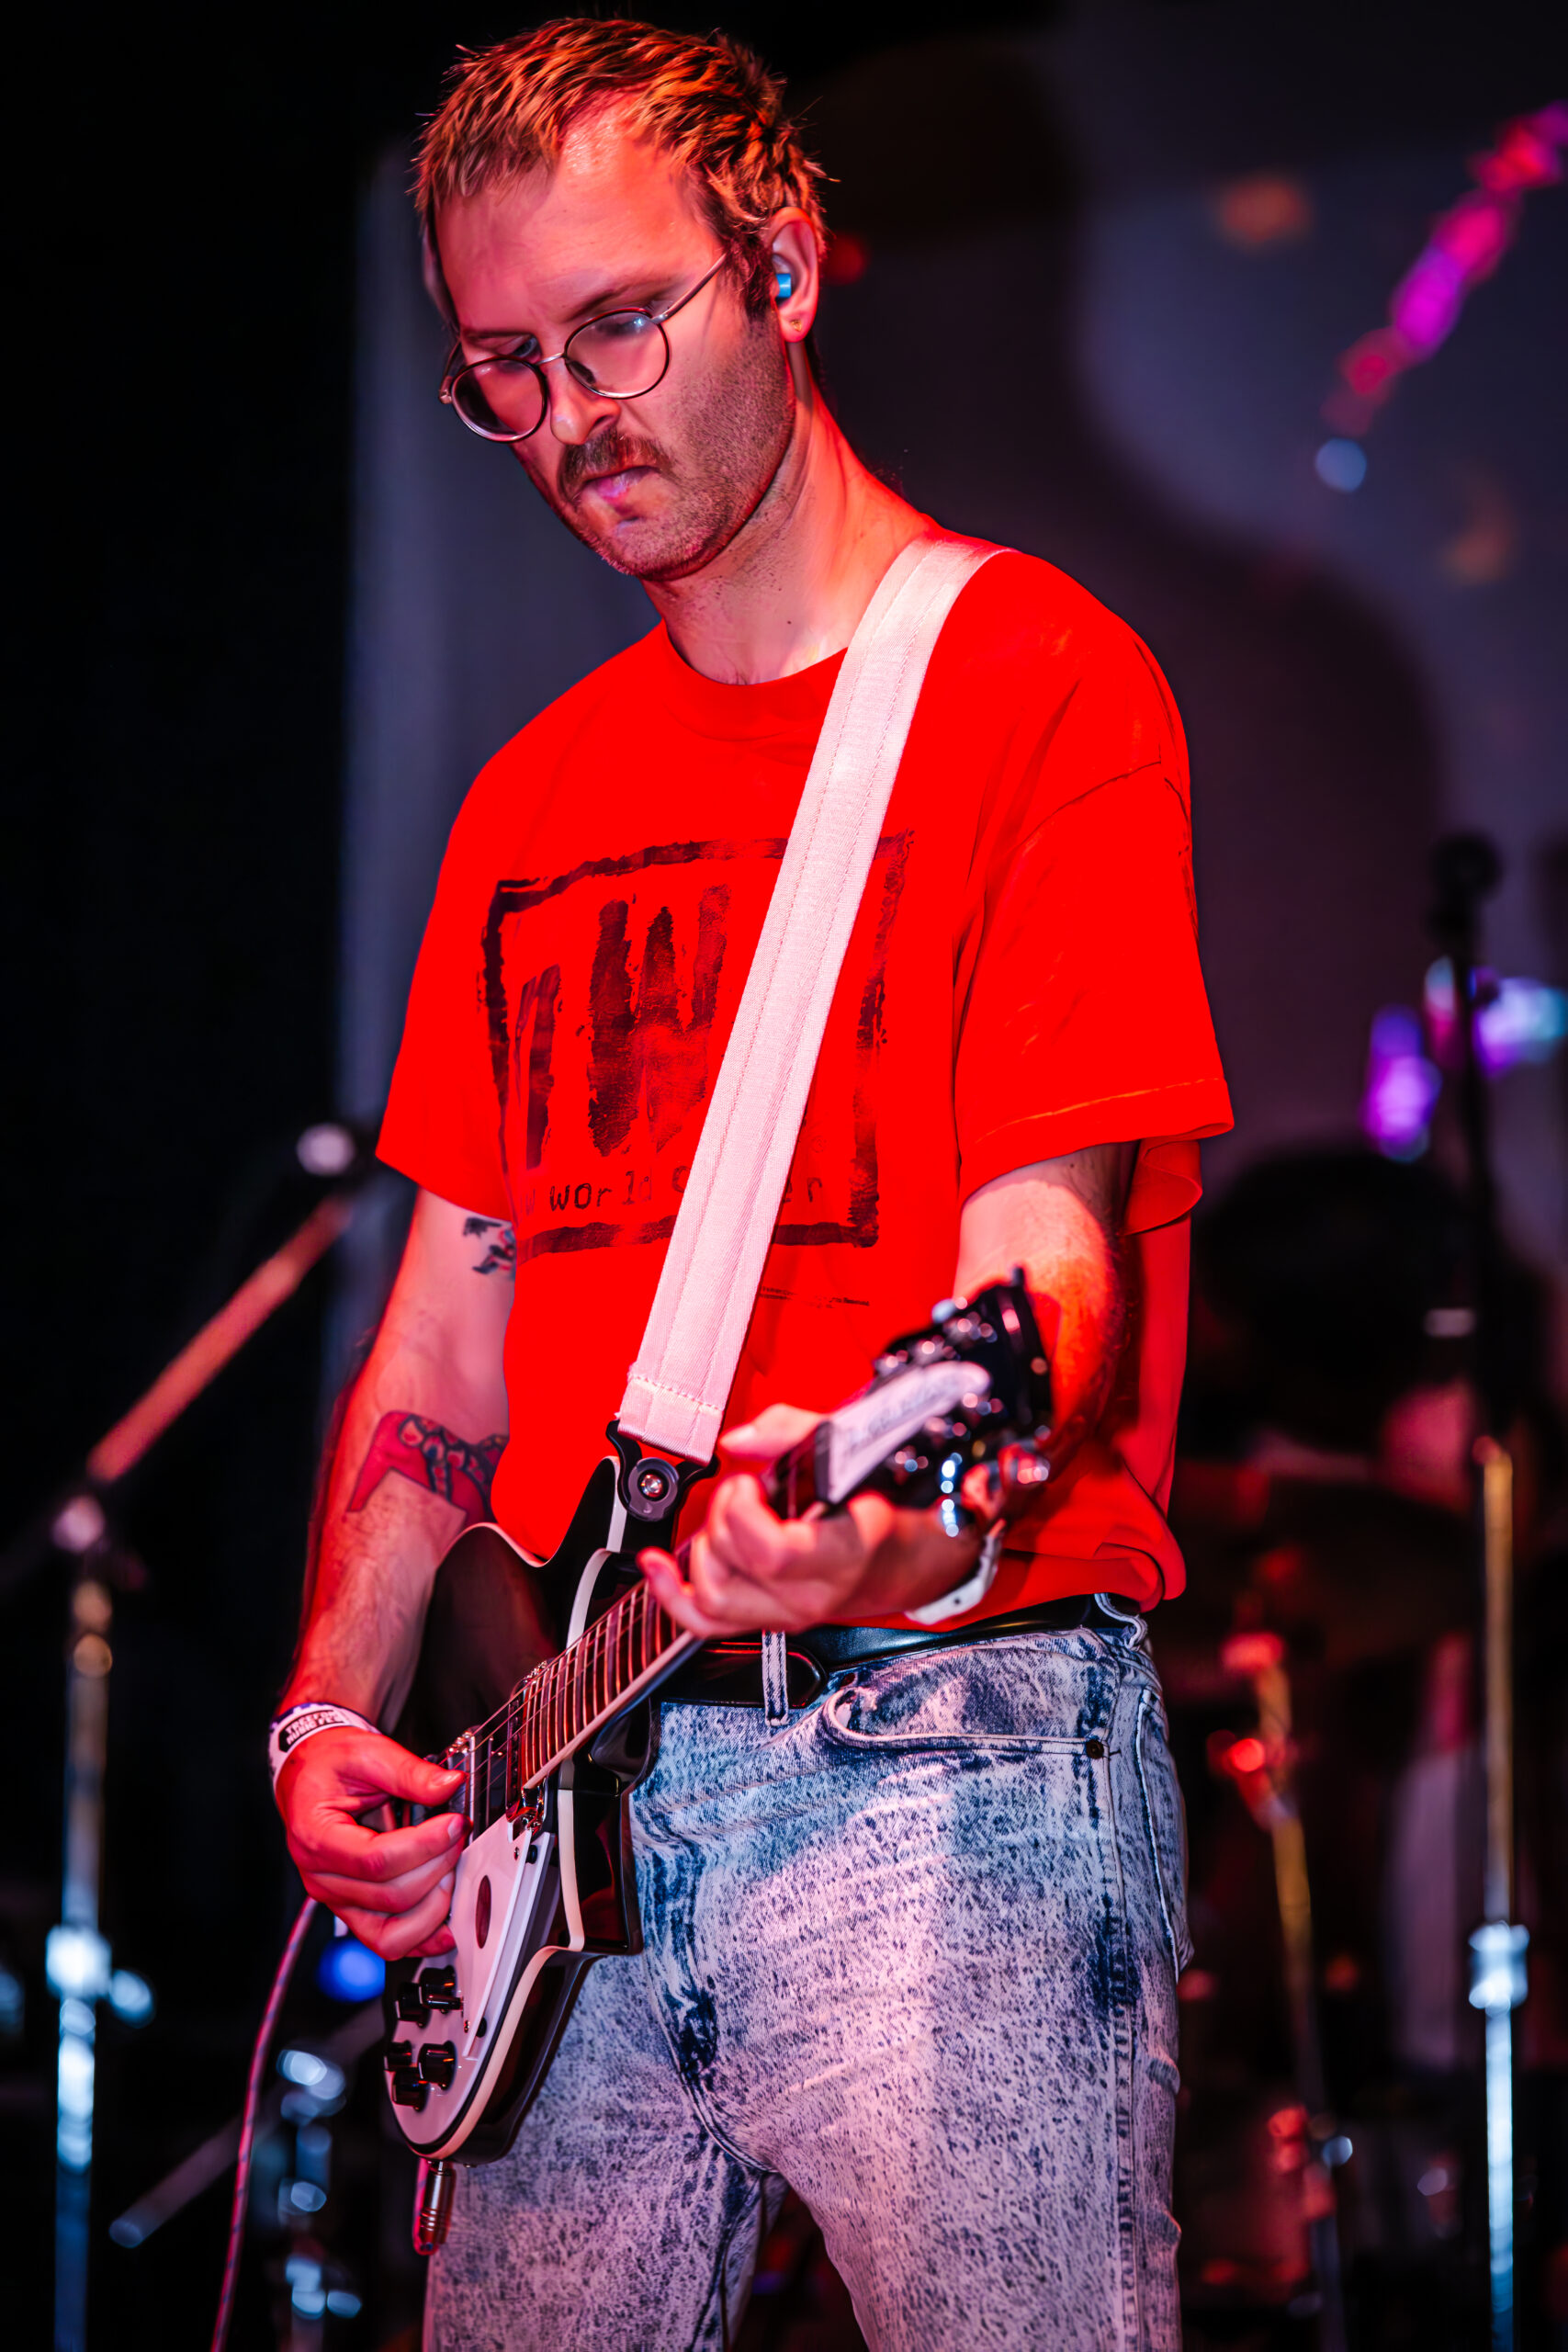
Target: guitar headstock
{"points": [[972, 1385]]}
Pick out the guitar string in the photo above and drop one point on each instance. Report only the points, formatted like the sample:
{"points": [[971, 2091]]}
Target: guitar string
{"points": [[586, 1667], [565, 1692]]}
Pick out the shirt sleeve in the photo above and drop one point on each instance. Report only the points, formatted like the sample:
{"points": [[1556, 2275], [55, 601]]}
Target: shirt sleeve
{"points": [[443, 1119], [1083, 1016]]}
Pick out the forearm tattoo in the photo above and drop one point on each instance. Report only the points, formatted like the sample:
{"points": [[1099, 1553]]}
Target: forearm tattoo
{"points": [[415, 1447], [501, 1254]]}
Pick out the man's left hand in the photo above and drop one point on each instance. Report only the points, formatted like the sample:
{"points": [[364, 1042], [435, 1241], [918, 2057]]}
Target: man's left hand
{"points": [[748, 1570]]}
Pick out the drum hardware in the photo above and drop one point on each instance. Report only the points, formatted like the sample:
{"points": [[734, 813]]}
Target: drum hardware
{"points": [[1466, 869], [1261, 1766]]}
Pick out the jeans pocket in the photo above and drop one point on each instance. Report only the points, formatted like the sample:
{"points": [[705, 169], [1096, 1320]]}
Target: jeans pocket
{"points": [[1013, 1697], [844, 1725], [1165, 1824]]}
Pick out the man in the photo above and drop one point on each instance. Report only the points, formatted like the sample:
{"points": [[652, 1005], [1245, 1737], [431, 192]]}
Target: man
{"points": [[914, 1953]]}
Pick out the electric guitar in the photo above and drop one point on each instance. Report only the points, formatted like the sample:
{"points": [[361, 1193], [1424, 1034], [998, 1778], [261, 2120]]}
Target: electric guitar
{"points": [[551, 1665]]}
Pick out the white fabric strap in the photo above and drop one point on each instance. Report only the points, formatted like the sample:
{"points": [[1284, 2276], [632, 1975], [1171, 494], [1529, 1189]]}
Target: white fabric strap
{"points": [[680, 1383]]}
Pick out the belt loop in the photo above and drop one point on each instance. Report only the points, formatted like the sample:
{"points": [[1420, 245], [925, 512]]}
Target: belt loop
{"points": [[1124, 1613], [775, 1681]]}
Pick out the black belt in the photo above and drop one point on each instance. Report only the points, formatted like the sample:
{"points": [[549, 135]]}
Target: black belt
{"points": [[729, 1674]]}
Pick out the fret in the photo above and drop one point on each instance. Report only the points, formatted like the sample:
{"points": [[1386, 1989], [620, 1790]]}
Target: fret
{"points": [[548, 1717], [495, 1771], [479, 1817]]}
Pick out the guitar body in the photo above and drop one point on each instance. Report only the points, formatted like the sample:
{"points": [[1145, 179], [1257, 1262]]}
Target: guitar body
{"points": [[542, 1891], [535, 1679]]}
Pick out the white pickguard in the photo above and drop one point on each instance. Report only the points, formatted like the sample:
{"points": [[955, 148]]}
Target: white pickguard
{"points": [[520, 1876]]}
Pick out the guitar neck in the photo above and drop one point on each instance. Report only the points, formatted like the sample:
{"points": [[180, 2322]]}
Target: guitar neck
{"points": [[567, 1700], [943, 1398]]}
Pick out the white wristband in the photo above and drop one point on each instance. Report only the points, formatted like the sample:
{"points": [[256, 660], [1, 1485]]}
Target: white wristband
{"points": [[972, 1592], [302, 1722]]}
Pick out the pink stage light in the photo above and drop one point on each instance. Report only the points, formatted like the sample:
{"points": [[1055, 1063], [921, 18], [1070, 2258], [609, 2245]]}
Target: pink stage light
{"points": [[1466, 244]]}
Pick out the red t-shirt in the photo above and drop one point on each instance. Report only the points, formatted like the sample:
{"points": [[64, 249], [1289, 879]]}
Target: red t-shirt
{"points": [[1022, 981]]}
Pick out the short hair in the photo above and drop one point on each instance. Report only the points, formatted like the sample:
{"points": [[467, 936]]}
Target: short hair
{"points": [[705, 100]]}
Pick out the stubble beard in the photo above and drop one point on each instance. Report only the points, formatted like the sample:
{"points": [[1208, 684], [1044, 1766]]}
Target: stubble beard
{"points": [[720, 456]]}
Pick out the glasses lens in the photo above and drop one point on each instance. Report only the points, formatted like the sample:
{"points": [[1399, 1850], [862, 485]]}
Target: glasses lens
{"points": [[500, 397], [622, 354]]}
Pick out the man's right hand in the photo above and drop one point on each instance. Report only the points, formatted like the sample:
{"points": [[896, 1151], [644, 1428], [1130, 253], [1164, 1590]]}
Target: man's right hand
{"points": [[392, 1888]]}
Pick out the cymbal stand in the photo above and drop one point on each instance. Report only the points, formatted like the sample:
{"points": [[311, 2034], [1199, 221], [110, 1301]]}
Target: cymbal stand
{"points": [[78, 1964], [1466, 869]]}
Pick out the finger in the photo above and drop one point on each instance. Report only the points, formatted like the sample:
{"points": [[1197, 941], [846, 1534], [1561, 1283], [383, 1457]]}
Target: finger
{"points": [[329, 1839], [399, 1894], [773, 1432], [713, 1601], [674, 1596], [747, 1538], [364, 1765], [423, 1930], [380, 1764]]}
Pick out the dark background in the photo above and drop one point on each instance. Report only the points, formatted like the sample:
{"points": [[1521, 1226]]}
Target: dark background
{"points": [[185, 198]]}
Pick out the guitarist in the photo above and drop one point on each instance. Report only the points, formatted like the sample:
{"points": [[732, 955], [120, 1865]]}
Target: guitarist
{"points": [[911, 1949]]}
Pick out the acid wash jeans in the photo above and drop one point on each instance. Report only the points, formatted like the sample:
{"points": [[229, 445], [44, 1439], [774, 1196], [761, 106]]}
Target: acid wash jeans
{"points": [[915, 1954]]}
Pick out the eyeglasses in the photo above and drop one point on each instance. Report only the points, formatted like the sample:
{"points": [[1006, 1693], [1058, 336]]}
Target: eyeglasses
{"points": [[620, 355]]}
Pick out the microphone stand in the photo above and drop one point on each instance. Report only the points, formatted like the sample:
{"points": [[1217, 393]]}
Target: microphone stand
{"points": [[78, 1964], [1466, 869]]}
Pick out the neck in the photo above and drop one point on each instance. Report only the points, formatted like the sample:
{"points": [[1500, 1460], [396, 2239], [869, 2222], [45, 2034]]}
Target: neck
{"points": [[792, 584]]}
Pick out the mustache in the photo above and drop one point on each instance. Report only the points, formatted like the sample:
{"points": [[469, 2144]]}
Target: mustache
{"points": [[606, 452]]}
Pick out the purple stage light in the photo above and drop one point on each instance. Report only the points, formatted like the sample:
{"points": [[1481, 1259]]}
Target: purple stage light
{"points": [[1403, 1085], [1517, 1020]]}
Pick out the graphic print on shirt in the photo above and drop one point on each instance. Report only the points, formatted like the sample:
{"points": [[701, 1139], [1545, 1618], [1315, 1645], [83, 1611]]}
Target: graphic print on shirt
{"points": [[609, 993]]}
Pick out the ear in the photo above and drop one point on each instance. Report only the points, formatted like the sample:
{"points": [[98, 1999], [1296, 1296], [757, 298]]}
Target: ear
{"points": [[797, 268]]}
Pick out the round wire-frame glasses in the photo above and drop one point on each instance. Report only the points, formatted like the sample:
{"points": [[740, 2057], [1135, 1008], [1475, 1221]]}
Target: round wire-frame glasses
{"points": [[620, 355]]}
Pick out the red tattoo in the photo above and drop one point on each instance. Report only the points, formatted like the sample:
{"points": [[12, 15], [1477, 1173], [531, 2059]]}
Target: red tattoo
{"points": [[419, 1449]]}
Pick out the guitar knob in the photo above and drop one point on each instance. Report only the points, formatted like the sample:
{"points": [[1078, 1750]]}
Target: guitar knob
{"points": [[407, 2089], [398, 2055], [438, 2064], [410, 2004], [439, 1988]]}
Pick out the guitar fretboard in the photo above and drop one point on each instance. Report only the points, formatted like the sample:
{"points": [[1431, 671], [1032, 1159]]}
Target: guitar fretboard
{"points": [[562, 1702]]}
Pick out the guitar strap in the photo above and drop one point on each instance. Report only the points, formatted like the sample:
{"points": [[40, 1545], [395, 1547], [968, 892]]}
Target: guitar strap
{"points": [[680, 1383]]}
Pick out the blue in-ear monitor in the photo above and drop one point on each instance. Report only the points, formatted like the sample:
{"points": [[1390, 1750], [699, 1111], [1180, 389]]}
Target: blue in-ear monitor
{"points": [[785, 283]]}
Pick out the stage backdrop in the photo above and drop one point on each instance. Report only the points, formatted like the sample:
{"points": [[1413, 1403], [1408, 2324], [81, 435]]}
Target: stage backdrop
{"points": [[1101, 280]]}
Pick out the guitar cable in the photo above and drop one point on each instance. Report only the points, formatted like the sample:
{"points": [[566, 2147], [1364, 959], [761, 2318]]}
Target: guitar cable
{"points": [[248, 2121]]}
